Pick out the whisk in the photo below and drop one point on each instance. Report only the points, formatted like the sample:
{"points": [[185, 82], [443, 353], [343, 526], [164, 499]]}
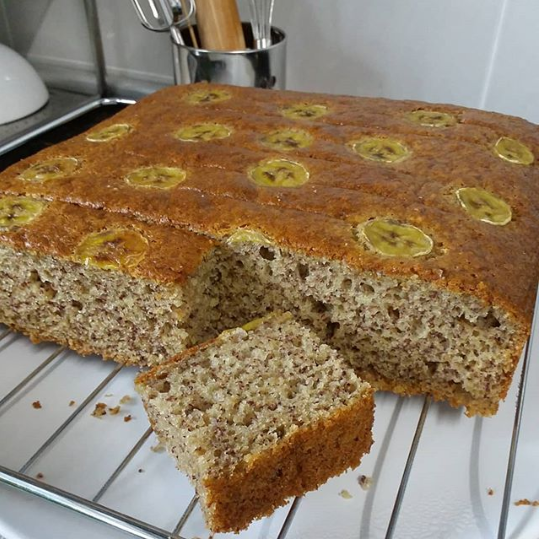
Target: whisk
{"points": [[261, 15]]}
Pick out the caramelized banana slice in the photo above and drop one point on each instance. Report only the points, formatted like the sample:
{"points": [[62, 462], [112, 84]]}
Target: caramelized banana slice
{"points": [[391, 238], [484, 206], [279, 173], [156, 177], [19, 211], [304, 111], [383, 150], [513, 151], [287, 139], [202, 132], [199, 97], [245, 235], [51, 169], [113, 249], [432, 118], [253, 324], [109, 133]]}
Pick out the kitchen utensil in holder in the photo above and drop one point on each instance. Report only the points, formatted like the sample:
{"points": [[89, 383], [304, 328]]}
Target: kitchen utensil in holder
{"points": [[260, 68]]}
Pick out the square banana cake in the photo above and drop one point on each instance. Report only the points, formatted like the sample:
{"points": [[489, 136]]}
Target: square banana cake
{"points": [[403, 233]]}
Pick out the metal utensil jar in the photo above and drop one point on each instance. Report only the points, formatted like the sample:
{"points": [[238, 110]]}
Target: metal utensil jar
{"points": [[260, 68]]}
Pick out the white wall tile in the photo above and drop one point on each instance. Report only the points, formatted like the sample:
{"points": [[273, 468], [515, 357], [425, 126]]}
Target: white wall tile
{"points": [[131, 48], [49, 29], [426, 49], [514, 82]]}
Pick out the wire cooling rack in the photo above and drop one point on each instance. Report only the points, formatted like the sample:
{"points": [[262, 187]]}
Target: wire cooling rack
{"points": [[434, 472]]}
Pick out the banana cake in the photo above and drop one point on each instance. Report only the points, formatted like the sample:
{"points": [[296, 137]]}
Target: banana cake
{"points": [[403, 233], [258, 415]]}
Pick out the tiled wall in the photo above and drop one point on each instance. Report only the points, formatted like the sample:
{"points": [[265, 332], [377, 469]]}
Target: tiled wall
{"points": [[481, 53]]}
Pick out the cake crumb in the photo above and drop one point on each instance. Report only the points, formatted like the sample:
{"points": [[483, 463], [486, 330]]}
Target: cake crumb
{"points": [[39, 475], [125, 399], [365, 482], [71, 403], [157, 448], [115, 410], [127, 418], [37, 405], [100, 409], [490, 491], [140, 470], [525, 501], [345, 494]]}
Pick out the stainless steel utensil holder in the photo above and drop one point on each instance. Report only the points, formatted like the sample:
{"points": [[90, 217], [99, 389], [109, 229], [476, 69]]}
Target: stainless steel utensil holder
{"points": [[260, 68]]}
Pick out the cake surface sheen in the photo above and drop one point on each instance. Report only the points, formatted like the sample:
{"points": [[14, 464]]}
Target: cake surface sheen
{"points": [[403, 233]]}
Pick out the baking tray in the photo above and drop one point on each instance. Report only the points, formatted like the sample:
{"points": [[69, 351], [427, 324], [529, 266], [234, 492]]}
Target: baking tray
{"points": [[435, 472]]}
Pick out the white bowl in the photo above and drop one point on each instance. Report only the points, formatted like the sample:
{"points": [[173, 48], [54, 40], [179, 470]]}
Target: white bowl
{"points": [[22, 92]]}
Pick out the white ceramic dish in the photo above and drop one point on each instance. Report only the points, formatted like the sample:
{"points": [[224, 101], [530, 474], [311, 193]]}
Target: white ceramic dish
{"points": [[458, 461], [22, 92]]}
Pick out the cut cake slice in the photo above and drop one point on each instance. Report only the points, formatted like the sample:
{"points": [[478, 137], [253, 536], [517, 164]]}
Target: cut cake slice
{"points": [[257, 415]]}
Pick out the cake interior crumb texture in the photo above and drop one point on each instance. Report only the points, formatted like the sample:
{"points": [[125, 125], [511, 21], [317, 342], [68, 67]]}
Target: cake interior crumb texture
{"points": [[255, 417], [401, 334]]}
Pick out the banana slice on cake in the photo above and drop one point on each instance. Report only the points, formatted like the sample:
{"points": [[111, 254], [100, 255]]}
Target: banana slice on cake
{"points": [[113, 249], [287, 139], [484, 206], [19, 211], [304, 111], [392, 238], [513, 151], [156, 177], [245, 235], [432, 118], [382, 150], [199, 97], [110, 132], [279, 173], [203, 132], [51, 169]]}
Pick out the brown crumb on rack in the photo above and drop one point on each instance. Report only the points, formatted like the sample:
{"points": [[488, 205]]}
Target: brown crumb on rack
{"points": [[125, 399], [115, 410], [365, 482], [127, 418], [158, 448], [345, 494], [71, 403], [490, 491], [39, 476], [100, 409], [37, 405], [525, 501]]}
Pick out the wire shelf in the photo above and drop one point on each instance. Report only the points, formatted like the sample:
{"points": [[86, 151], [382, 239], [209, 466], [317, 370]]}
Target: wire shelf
{"points": [[113, 454]]}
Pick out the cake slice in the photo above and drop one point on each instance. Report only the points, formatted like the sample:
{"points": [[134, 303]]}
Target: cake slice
{"points": [[257, 415]]}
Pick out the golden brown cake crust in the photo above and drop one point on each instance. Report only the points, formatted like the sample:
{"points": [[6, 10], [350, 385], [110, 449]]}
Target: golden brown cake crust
{"points": [[497, 264], [302, 462], [172, 255]]}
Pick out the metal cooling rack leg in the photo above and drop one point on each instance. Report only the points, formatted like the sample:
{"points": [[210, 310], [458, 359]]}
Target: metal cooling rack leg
{"points": [[289, 518], [31, 376], [185, 516], [504, 515], [122, 465], [408, 469], [69, 420], [82, 506]]}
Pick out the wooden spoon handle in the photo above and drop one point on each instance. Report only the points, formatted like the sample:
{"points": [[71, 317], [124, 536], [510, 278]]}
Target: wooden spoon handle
{"points": [[220, 25]]}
